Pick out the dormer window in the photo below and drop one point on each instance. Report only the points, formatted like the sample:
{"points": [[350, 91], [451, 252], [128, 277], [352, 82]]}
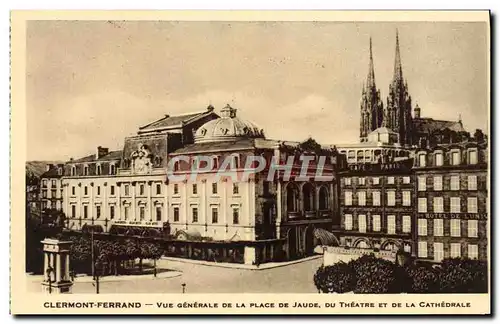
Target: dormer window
{"points": [[472, 156], [438, 158], [73, 170], [98, 169], [112, 169], [86, 170], [60, 171], [422, 159], [176, 165], [455, 157], [215, 162], [235, 162]]}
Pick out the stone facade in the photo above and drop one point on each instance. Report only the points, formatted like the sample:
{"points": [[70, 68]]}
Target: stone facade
{"points": [[452, 206]]}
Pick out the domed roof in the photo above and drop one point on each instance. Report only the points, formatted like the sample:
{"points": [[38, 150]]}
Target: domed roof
{"points": [[227, 127]]}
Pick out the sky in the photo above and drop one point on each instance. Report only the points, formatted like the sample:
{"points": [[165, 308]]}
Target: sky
{"points": [[91, 83]]}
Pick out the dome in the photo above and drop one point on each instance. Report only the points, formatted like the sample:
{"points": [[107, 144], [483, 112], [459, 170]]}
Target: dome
{"points": [[227, 127]]}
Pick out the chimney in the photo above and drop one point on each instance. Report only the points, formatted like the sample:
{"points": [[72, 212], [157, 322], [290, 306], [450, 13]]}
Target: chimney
{"points": [[416, 111], [210, 108], [101, 151]]}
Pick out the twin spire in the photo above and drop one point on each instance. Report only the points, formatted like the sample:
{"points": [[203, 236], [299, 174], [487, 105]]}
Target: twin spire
{"points": [[398, 69]]}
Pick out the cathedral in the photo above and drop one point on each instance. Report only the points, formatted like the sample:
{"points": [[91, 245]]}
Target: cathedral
{"points": [[412, 131]]}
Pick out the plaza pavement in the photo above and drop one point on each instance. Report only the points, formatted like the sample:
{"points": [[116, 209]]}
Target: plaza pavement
{"points": [[201, 278]]}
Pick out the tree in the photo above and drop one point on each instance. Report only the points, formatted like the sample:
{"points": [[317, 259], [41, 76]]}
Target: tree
{"points": [[337, 278], [376, 276], [479, 136], [458, 275], [424, 279]]}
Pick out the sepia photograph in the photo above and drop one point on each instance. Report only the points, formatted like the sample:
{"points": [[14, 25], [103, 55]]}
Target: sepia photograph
{"points": [[338, 160]]}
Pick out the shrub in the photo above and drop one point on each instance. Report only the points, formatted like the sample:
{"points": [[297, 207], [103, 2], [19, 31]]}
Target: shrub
{"points": [[423, 279], [463, 276], [337, 278], [376, 276]]}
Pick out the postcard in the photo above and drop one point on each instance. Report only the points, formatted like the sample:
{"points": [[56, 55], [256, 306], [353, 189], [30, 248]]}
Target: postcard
{"points": [[250, 162]]}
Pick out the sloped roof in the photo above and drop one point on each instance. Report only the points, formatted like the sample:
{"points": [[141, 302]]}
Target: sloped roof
{"points": [[37, 168], [429, 125], [174, 121], [113, 155], [383, 130], [237, 144]]}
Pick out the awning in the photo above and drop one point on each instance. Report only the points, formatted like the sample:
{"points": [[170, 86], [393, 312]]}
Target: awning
{"points": [[325, 237]]}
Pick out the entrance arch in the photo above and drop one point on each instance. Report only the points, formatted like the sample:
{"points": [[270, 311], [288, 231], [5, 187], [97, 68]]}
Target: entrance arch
{"points": [[309, 240], [291, 241]]}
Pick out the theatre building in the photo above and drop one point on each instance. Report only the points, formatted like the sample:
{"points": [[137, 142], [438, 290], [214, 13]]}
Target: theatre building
{"points": [[376, 205], [165, 183], [452, 207]]}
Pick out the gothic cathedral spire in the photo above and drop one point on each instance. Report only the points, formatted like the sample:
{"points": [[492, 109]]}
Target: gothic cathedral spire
{"points": [[371, 104], [398, 112]]}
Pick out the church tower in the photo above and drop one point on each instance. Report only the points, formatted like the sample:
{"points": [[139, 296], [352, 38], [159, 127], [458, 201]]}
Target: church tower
{"points": [[398, 112], [371, 104]]}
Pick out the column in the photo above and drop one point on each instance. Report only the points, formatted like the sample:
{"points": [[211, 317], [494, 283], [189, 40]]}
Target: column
{"points": [[66, 200], [58, 267], [66, 275], [91, 201], [150, 203], [46, 263], [184, 192], [165, 197], [105, 212], [52, 265], [278, 209], [203, 205], [80, 207], [118, 201], [224, 210], [134, 216]]}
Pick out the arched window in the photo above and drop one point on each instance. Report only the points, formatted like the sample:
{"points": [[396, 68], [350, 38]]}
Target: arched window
{"points": [[323, 198], [362, 245], [309, 197], [292, 197]]}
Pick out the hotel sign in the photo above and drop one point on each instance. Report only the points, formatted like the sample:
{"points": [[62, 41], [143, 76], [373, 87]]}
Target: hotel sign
{"points": [[479, 216]]}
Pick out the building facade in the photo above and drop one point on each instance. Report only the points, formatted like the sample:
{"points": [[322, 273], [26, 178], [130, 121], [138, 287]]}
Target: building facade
{"points": [[452, 207], [194, 177], [377, 204], [51, 189]]}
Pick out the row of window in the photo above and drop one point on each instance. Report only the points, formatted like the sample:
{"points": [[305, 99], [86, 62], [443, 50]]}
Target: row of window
{"points": [[215, 188], [455, 158], [194, 189], [45, 182], [455, 227], [98, 170], [214, 215], [158, 210], [126, 190], [437, 183], [97, 212], [455, 250], [362, 181], [455, 205], [53, 193], [196, 163], [391, 198], [376, 225]]}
